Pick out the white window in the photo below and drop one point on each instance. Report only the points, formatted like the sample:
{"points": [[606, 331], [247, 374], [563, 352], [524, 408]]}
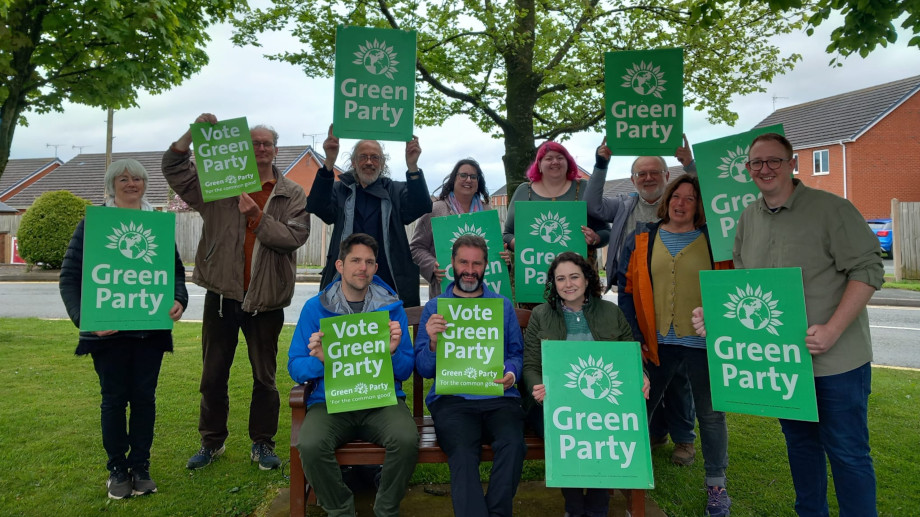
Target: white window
{"points": [[795, 156], [821, 160]]}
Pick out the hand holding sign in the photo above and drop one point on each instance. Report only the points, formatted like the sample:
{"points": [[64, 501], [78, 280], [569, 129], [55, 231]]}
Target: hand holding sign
{"points": [[820, 338], [316, 346], [539, 393], [602, 155], [698, 323], [436, 324], [248, 207], [507, 381], [683, 154], [176, 312], [413, 151], [438, 272], [331, 148], [395, 336]]}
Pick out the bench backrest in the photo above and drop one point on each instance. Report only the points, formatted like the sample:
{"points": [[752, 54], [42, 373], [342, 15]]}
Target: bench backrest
{"points": [[414, 314]]}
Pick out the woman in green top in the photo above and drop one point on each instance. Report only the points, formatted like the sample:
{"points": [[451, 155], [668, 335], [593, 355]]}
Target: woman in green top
{"points": [[573, 311]]}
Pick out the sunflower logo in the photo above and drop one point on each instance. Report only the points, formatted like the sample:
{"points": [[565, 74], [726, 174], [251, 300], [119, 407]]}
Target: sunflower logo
{"points": [[552, 228], [470, 372], [361, 388], [133, 241], [594, 379], [754, 308], [468, 229], [645, 79], [377, 58], [733, 165]]}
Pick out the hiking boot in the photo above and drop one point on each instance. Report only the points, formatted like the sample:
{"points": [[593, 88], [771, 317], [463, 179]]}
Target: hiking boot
{"points": [[684, 454], [265, 455], [657, 441], [119, 484], [143, 485], [719, 502], [204, 457]]}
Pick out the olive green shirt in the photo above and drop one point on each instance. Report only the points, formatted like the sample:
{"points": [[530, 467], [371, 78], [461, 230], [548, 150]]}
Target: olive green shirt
{"points": [[828, 238]]}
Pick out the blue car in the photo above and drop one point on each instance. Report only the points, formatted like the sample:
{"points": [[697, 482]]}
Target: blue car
{"points": [[883, 230]]}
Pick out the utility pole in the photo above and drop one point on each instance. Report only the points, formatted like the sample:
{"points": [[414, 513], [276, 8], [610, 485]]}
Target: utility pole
{"points": [[55, 148], [109, 138]]}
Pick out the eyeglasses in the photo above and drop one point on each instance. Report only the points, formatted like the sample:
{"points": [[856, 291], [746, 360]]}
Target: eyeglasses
{"points": [[647, 174], [372, 157], [464, 176], [772, 163], [267, 145]]}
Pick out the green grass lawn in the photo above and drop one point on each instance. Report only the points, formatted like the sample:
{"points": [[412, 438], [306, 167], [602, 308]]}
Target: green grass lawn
{"points": [[52, 462]]}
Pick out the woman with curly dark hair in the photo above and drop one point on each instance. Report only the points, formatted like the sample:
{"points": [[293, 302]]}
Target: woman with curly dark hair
{"points": [[574, 311]]}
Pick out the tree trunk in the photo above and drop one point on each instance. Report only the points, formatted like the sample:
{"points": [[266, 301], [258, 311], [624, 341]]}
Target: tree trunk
{"points": [[520, 97]]}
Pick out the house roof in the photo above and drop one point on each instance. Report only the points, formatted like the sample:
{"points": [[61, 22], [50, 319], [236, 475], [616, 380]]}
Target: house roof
{"points": [[83, 175], [622, 186], [6, 209], [841, 117], [19, 171]]}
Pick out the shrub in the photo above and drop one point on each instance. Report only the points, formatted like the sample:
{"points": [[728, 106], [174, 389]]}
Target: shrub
{"points": [[47, 226]]}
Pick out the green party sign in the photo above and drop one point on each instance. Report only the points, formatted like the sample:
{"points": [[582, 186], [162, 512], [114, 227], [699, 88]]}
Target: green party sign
{"points": [[726, 186], [755, 339], [225, 159], [471, 351], [594, 416], [374, 83], [358, 367], [644, 99], [542, 230], [129, 269], [485, 224]]}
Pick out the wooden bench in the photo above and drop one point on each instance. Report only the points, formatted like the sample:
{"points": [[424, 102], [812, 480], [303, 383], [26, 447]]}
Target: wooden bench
{"points": [[365, 453]]}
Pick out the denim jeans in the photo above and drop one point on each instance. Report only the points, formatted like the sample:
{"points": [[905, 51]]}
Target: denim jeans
{"points": [[675, 416], [713, 430], [841, 436]]}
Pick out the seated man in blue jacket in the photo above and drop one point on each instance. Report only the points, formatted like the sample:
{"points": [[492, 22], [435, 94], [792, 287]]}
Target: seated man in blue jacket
{"points": [[464, 422], [356, 290]]}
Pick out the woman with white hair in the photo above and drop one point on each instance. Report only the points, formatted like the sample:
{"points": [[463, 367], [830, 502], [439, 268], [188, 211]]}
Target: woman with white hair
{"points": [[127, 361]]}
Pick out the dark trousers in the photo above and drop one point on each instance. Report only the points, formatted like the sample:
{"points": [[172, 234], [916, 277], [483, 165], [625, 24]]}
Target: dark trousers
{"points": [[219, 336], [462, 426], [675, 415], [128, 376]]}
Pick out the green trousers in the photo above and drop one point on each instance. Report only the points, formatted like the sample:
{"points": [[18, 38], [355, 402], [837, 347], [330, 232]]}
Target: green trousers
{"points": [[391, 427]]}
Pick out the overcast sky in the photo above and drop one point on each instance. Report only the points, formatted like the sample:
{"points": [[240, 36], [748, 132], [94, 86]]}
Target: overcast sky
{"points": [[240, 82]]}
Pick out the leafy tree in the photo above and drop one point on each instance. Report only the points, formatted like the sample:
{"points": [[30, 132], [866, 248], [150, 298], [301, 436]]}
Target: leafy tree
{"points": [[528, 70], [47, 226], [95, 52]]}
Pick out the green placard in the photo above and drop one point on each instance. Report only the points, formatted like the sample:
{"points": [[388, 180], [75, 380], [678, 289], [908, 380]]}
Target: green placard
{"points": [[225, 159], [485, 224], [594, 416], [542, 230], [726, 186], [755, 340], [374, 83], [129, 269], [471, 351], [358, 370], [644, 99]]}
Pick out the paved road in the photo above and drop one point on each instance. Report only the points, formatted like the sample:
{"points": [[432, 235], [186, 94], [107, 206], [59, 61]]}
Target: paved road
{"points": [[895, 329]]}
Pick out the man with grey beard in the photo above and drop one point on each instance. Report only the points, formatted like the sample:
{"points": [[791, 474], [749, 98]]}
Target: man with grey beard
{"points": [[366, 200]]}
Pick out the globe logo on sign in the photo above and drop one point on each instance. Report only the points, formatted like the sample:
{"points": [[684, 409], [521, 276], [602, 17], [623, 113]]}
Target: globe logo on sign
{"points": [[231, 179], [377, 58], [468, 229], [733, 165], [754, 308], [595, 380], [133, 242], [552, 228], [645, 79]]}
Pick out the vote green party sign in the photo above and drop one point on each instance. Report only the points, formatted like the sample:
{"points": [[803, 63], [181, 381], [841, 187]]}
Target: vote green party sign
{"points": [[225, 159], [448, 228], [644, 99], [542, 230], [594, 416], [755, 337], [726, 186], [471, 351], [129, 259], [358, 369], [374, 83]]}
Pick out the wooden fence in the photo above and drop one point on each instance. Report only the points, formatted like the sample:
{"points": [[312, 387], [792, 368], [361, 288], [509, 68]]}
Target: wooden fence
{"points": [[906, 247]]}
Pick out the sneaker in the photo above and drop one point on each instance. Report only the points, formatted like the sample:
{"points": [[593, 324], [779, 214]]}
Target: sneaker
{"points": [[140, 479], [119, 484], [684, 454], [719, 502], [204, 457], [657, 441], [265, 455]]}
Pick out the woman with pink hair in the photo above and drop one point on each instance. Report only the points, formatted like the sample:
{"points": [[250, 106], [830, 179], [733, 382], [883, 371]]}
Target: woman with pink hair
{"points": [[554, 177]]}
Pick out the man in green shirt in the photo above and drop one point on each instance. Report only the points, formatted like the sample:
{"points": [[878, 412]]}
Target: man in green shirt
{"points": [[796, 226]]}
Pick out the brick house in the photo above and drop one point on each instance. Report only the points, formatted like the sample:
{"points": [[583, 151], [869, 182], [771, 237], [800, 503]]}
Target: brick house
{"points": [[21, 173], [862, 145]]}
